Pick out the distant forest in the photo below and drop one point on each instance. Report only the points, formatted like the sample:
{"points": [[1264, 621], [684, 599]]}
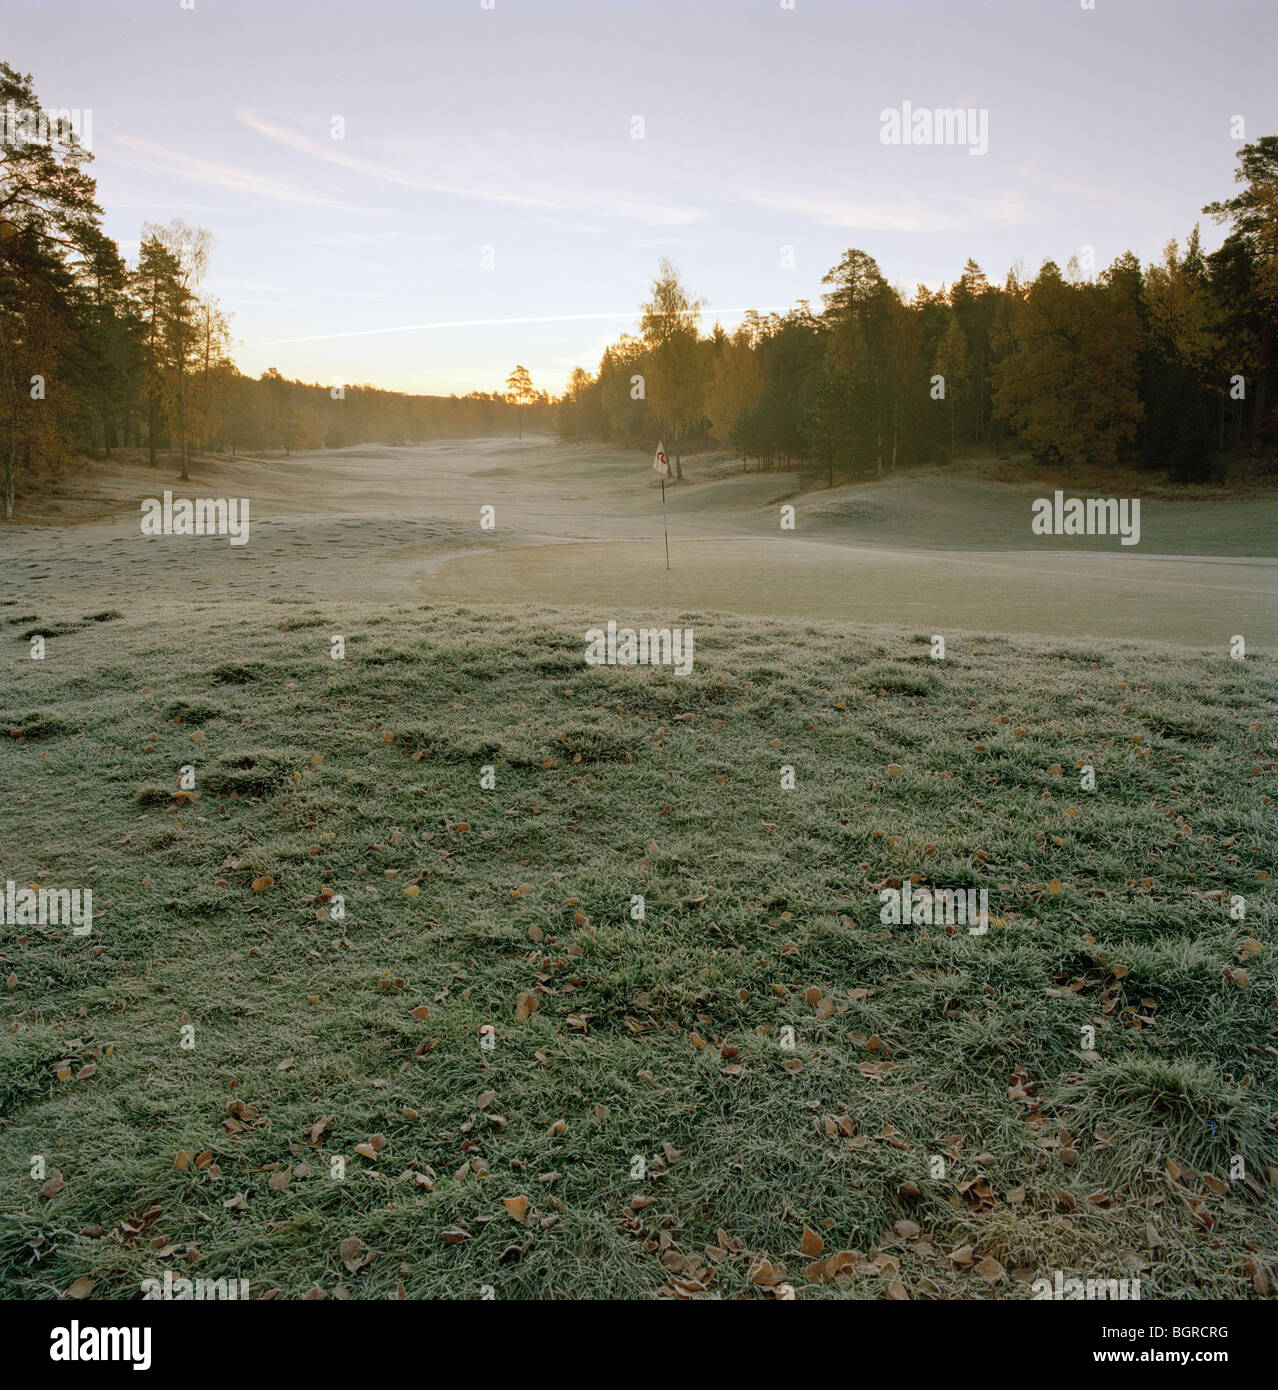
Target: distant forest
{"points": [[1166, 365], [96, 355]]}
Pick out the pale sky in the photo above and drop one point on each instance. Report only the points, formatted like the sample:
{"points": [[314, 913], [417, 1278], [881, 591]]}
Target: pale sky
{"points": [[506, 134]]}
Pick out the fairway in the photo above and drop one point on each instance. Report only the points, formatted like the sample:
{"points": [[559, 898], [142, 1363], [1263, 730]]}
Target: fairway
{"points": [[582, 525]]}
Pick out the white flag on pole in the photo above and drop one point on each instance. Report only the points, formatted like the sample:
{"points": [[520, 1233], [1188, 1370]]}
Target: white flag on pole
{"points": [[659, 463]]}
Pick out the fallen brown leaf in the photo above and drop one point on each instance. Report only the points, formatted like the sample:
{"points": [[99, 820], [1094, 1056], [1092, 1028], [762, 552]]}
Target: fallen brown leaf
{"points": [[355, 1254]]}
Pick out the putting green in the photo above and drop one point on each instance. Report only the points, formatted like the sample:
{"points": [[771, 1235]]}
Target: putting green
{"points": [[1200, 602]]}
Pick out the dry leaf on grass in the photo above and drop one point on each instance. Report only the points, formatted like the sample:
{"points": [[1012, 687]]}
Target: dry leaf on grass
{"points": [[765, 1272], [355, 1254]]}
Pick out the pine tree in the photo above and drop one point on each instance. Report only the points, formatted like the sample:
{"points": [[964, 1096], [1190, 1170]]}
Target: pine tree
{"points": [[1254, 215], [1071, 379], [520, 391], [49, 217], [669, 327], [952, 367]]}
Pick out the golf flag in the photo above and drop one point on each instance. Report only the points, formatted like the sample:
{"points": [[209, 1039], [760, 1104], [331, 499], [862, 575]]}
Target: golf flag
{"points": [[663, 471]]}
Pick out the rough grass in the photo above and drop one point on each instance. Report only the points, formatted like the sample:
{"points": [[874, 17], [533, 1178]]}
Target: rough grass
{"points": [[937, 1078]]}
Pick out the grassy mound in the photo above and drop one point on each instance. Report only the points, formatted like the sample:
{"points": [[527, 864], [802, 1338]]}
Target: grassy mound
{"points": [[375, 1005]]}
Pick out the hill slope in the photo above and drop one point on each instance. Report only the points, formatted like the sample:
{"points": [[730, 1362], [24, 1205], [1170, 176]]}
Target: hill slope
{"points": [[650, 1102]]}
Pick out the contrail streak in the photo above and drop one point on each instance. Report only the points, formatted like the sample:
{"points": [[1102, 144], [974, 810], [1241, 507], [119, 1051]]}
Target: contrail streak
{"points": [[487, 323]]}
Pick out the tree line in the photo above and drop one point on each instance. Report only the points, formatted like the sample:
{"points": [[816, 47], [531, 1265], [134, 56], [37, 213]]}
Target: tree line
{"points": [[97, 355], [1166, 366]]}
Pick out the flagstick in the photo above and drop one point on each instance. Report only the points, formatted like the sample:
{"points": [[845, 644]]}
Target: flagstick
{"points": [[662, 467], [664, 526]]}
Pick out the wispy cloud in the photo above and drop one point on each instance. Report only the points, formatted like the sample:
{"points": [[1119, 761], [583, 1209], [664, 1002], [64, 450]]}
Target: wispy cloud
{"points": [[904, 215], [494, 167], [709, 315], [156, 159], [450, 323], [310, 291], [373, 238], [1090, 191]]}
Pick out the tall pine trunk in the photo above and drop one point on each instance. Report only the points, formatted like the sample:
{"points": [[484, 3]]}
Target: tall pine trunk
{"points": [[10, 465], [185, 476], [1262, 380]]}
